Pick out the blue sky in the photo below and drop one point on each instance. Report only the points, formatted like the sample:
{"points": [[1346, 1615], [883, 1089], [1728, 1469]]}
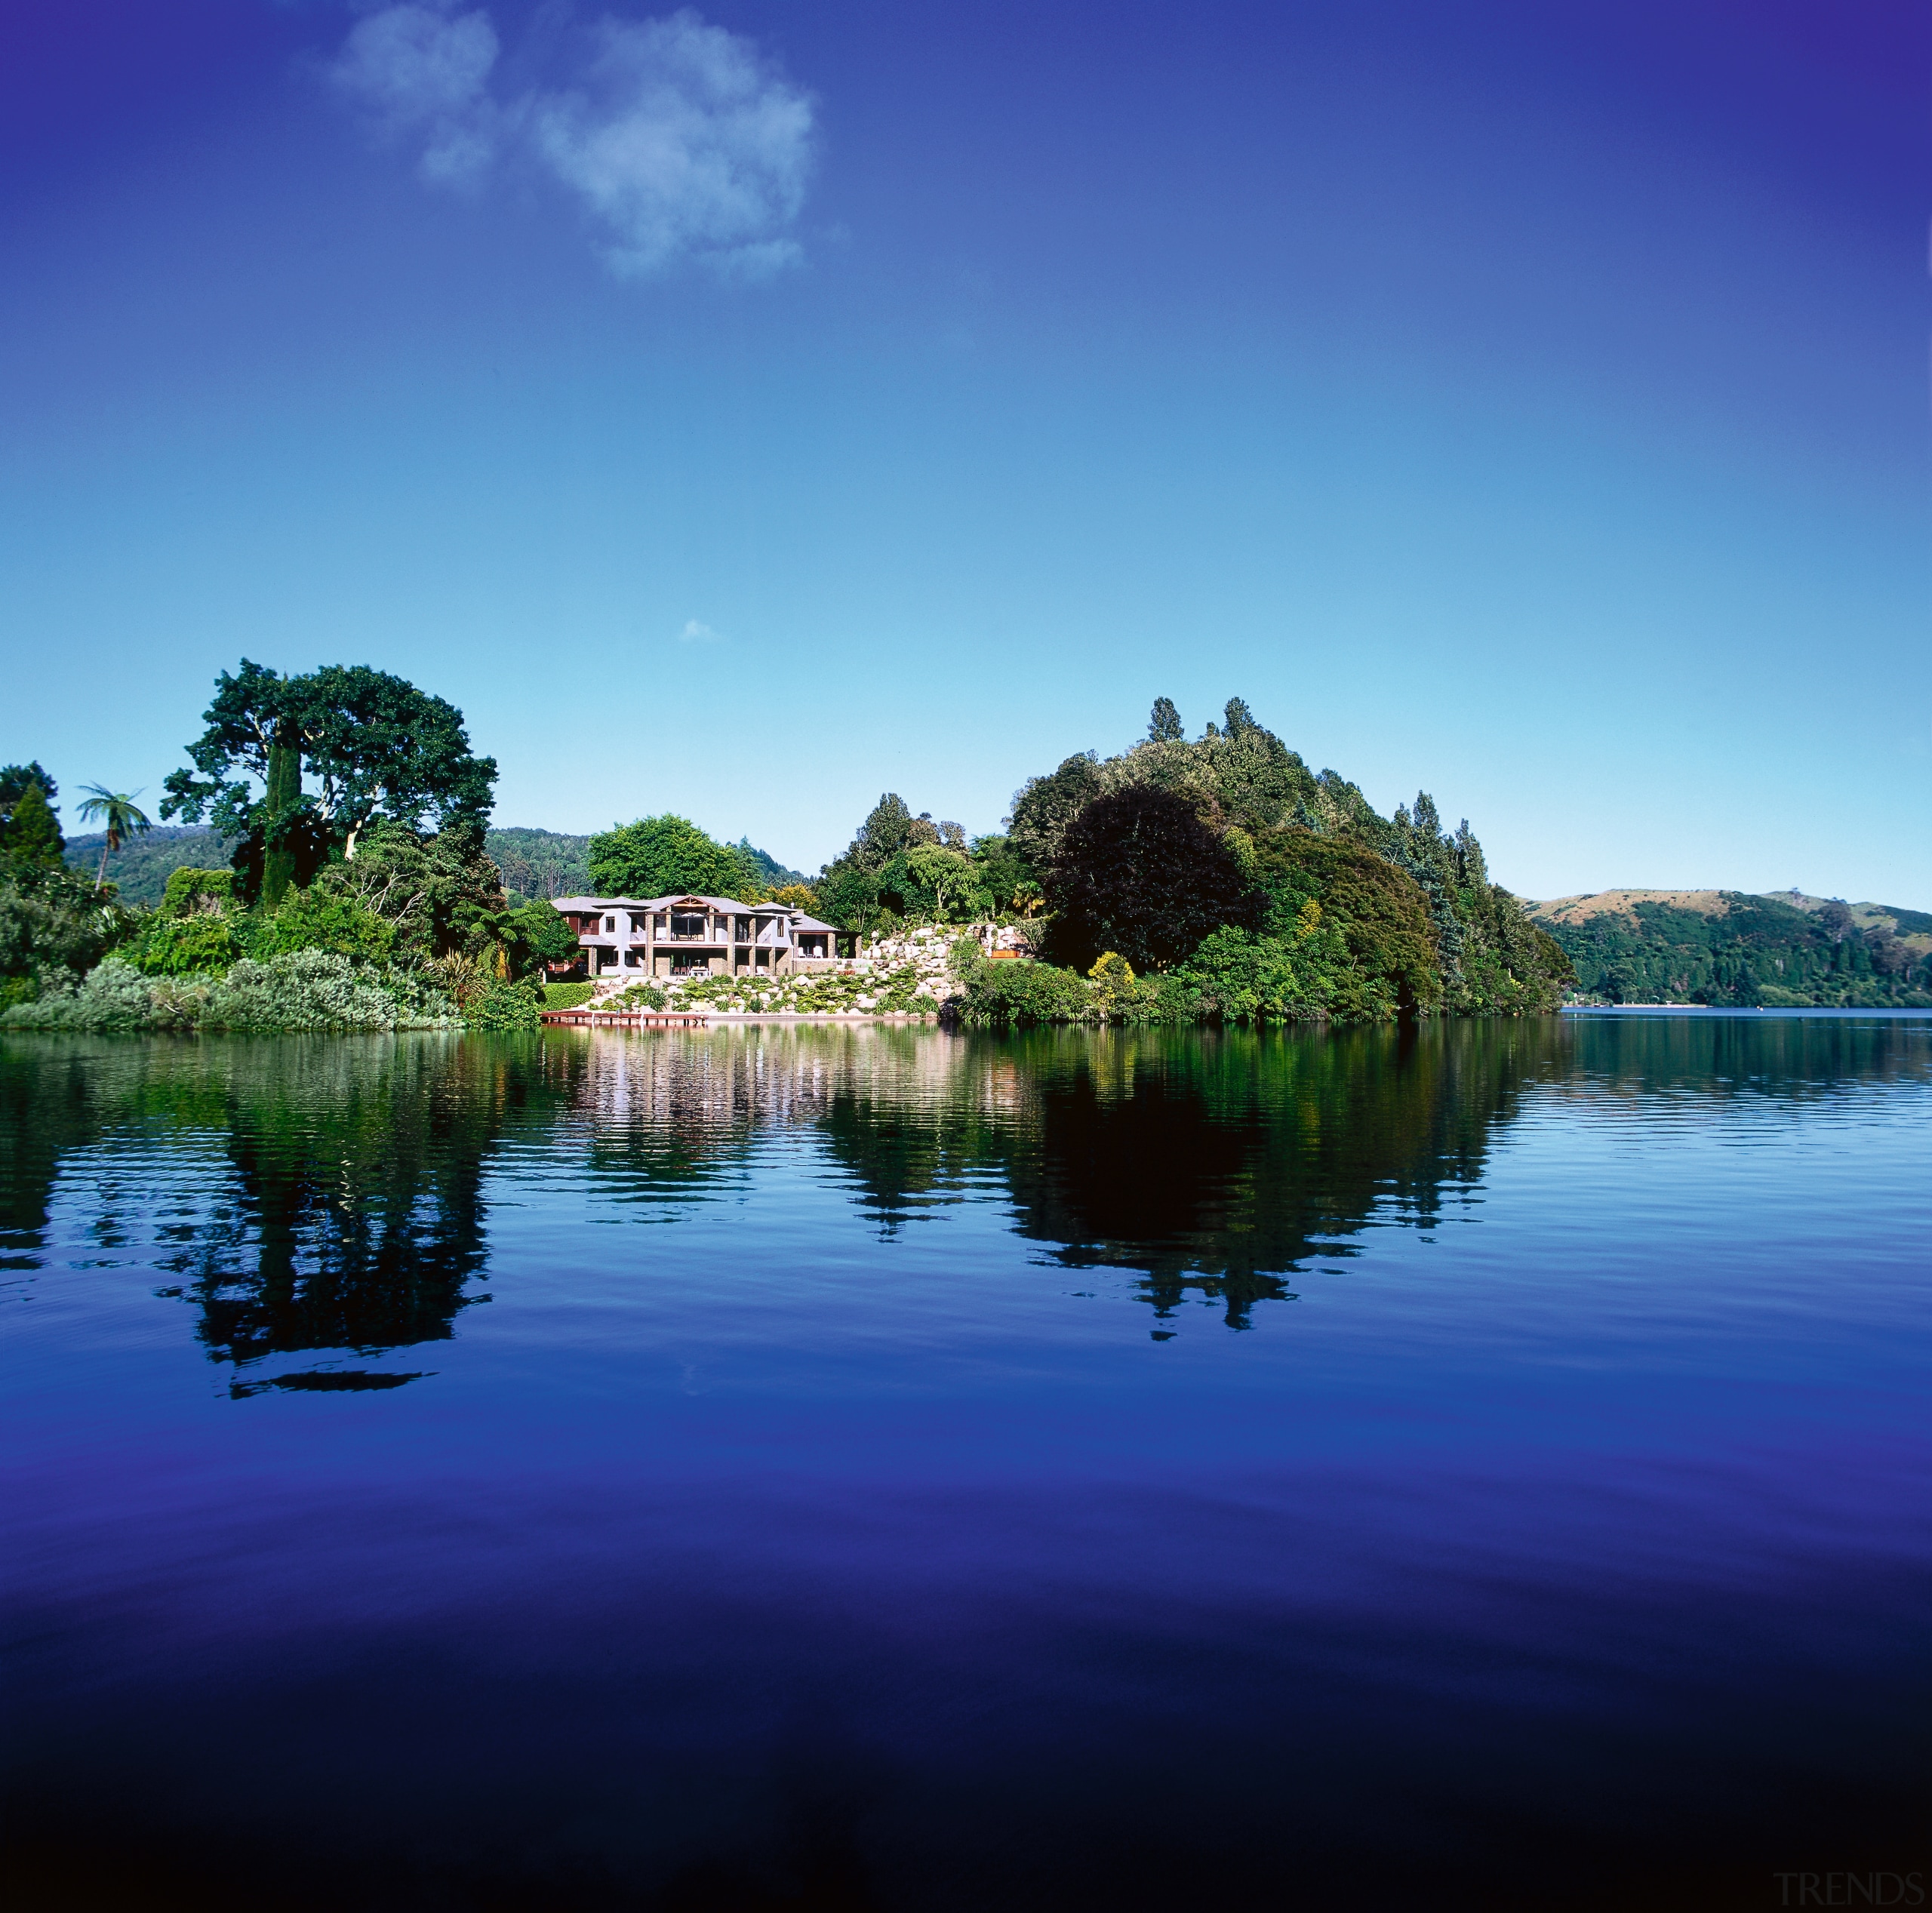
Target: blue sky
{"points": [[746, 411]]}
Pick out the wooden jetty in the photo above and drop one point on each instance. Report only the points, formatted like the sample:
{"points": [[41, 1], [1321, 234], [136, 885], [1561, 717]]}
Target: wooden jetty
{"points": [[584, 1017]]}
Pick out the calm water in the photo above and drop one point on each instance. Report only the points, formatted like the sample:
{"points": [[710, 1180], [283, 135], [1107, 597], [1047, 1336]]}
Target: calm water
{"points": [[882, 1469]]}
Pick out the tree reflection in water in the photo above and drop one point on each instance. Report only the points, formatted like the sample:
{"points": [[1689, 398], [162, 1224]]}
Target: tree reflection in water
{"points": [[1216, 1162], [350, 1217], [333, 1194]]}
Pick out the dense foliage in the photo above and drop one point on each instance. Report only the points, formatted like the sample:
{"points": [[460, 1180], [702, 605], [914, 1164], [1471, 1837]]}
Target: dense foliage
{"points": [[546, 864], [299, 990], [1139, 872], [900, 869], [371, 743], [659, 856], [339, 911], [1751, 950], [1228, 879]]}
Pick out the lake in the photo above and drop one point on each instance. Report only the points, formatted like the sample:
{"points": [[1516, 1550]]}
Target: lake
{"points": [[876, 1467]]}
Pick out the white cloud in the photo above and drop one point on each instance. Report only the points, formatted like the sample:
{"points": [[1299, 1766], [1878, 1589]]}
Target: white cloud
{"points": [[695, 633], [679, 140], [683, 142], [418, 69]]}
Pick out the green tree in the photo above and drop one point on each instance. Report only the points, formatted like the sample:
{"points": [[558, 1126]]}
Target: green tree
{"points": [[657, 856], [1139, 872], [539, 936], [947, 882], [1009, 881], [1163, 724], [15, 779], [849, 887], [196, 930], [121, 816], [1043, 806], [373, 744], [323, 918], [33, 832], [442, 895], [1379, 912]]}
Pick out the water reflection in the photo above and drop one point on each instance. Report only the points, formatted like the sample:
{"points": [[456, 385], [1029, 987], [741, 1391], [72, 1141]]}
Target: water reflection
{"points": [[1219, 1162], [330, 1197]]}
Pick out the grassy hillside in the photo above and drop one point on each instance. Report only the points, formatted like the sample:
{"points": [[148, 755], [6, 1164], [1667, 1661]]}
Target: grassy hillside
{"points": [[1727, 947]]}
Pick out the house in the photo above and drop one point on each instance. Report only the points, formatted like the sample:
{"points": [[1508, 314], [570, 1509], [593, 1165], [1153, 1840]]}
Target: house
{"points": [[690, 935]]}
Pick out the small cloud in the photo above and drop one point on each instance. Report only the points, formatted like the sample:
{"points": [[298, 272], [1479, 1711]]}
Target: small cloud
{"points": [[695, 633], [680, 139], [420, 69]]}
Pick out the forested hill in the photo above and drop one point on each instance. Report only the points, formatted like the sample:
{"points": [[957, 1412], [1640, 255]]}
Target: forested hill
{"points": [[140, 869], [534, 863], [1786, 950]]}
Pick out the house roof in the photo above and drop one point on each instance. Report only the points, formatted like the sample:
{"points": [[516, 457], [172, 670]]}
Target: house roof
{"points": [[801, 921], [675, 899]]}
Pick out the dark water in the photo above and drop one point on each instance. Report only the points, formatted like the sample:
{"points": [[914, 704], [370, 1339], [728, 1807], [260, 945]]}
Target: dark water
{"points": [[880, 1469]]}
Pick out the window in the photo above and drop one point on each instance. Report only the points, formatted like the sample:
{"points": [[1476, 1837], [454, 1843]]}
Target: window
{"points": [[688, 924], [741, 929], [610, 925]]}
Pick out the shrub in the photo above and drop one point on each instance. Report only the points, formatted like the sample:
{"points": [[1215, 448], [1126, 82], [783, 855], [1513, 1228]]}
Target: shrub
{"points": [[567, 996], [1243, 978], [198, 946], [52, 922], [114, 995], [191, 891], [632, 997], [502, 1005], [1020, 993], [323, 918], [323, 990]]}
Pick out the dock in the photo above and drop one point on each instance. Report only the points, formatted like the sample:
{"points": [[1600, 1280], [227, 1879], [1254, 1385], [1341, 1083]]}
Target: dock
{"points": [[584, 1017]]}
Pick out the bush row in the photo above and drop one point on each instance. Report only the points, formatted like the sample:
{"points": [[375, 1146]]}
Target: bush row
{"points": [[298, 990]]}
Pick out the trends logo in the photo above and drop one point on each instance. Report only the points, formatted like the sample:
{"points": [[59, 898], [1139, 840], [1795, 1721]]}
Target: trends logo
{"points": [[1850, 1889]]}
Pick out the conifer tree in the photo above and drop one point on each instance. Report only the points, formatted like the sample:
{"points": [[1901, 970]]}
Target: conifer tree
{"points": [[33, 832], [1163, 725]]}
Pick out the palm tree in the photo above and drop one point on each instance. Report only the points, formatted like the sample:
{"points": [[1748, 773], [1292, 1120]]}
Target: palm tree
{"points": [[122, 817]]}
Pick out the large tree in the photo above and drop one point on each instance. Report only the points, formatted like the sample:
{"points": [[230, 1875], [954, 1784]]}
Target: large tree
{"points": [[656, 856], [1138, 872], [1043, 806], [331, 749]]}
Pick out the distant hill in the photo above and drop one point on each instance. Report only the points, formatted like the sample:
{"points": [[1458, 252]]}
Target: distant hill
{"points": [[141, 869], [539, 863], [1786, 949]]}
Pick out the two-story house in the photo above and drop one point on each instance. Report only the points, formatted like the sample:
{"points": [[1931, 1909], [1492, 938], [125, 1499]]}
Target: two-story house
{"points": [[696, 937]]}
